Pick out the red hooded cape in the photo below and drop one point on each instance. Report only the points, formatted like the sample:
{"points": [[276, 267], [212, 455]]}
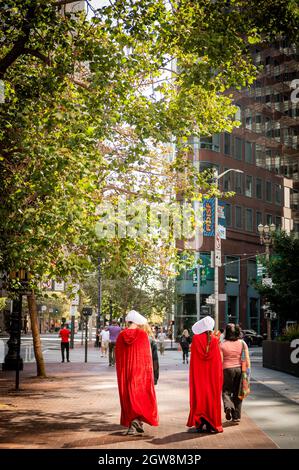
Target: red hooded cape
{"points": [[205, 382], [135, 378]]}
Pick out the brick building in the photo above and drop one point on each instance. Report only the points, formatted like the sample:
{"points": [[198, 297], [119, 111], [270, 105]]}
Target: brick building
{"points": [[266, 148]]}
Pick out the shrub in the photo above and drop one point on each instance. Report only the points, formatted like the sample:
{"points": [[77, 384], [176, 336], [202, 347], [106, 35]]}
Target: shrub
{"points": [[290, 333]]}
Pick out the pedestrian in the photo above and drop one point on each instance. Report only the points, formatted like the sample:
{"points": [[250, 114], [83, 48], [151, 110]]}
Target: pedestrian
{"points": [[161, 340], [205, 379], [114, 331], [232, 348], [64, 334], [104, 335], [135, 376], [185, 342], [154, 350]]}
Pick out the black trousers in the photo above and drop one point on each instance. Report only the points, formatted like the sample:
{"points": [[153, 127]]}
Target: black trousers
{"points": [[230, 391], [65, 347], [185, 353], [111, 354]]}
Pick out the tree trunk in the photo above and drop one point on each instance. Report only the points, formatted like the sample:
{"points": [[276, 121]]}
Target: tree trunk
{"points": [[40, 364]]}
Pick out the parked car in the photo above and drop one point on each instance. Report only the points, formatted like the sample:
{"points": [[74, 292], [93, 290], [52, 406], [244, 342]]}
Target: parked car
{"points": [[251, 338]]}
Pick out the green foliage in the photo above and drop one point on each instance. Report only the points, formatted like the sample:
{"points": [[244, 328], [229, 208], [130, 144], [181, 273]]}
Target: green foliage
{"points": [[79, 125], [284, 270], [290, 333]]}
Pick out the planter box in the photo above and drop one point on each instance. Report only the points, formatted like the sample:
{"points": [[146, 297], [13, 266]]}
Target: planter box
{"points": [[277, 355]]}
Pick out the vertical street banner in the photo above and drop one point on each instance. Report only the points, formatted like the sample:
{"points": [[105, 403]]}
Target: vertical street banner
{"points": [[209, 217]]}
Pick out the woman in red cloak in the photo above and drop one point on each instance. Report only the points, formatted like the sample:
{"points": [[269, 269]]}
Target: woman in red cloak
{"points": [[135, 378], [205, 379]]}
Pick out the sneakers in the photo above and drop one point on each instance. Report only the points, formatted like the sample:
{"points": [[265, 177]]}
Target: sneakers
{"points": [[138, 425], [131, 431], [236, 420], [228, 414]]}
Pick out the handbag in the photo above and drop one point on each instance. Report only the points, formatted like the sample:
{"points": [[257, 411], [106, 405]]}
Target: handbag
{"points": [[244, 389]]}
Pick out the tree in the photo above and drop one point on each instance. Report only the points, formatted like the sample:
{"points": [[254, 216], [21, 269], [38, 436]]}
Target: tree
{"points": [[79, 126], [143, 289], [283, 268]]}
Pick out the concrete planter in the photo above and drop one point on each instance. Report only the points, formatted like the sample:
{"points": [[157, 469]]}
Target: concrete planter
{"points": [[277, 356]]}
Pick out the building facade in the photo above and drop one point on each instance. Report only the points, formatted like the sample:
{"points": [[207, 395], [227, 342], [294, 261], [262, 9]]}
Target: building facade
{"points": [[265, 147]]}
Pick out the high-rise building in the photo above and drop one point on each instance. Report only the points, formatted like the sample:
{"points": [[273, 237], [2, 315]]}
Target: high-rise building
{"points": [[266, 148]]}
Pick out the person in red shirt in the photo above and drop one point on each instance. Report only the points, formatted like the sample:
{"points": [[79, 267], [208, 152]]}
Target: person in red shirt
{"points": [[64, 334]]}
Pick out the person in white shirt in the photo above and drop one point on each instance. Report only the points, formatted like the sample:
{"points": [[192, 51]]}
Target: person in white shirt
{"points": [[105, 335], [161, 340]]}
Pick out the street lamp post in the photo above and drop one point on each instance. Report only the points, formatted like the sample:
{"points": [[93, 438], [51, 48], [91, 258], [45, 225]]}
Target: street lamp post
{"points": [[217, 262], [266, 238]]}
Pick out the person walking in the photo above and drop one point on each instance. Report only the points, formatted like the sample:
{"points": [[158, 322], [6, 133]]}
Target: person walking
{"points": [[104, 335], [205, 379], [135, 376], [185, 341], [232, 348], [161, 340], [114, 331], [64, 335], [154, 349]]}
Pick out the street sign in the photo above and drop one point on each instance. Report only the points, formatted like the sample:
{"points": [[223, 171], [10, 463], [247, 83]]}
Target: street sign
{"points": [[87, 311], [218, 258], [267, 281], [210, 300], [73, 310], [58, 286], [222, 232], [222, 297]]}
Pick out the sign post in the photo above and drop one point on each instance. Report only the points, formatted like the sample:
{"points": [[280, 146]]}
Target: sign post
{"points": [[86, 312]]}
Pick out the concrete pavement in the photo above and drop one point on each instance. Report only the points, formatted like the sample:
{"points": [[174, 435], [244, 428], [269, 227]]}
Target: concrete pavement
{"points": [[78, 407]]}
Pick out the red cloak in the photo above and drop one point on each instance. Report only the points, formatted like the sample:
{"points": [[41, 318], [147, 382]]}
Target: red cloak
{"points": [[205, 382], [135, 378]]}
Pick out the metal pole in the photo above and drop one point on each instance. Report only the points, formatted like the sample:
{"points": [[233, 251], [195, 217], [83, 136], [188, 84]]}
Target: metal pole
{"points": [[86, 337], [216, 282], [98, 322], [110, 311], [72, 331], [19, 342], [269, 329], [198, 291]]}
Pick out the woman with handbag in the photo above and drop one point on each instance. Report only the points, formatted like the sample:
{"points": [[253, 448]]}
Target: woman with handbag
{"points": [[236, 372]]}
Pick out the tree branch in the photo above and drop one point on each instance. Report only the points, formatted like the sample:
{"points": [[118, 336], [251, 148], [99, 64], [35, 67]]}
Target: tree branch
{"points": [[18, 48], [38, 54], [61, 3]]}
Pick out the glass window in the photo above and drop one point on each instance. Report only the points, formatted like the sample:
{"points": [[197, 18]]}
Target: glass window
{"points": [[259, 219], [232, 269], [249, 220], [248, 186], [268, 191], [248, 152], [210, 142], [259, 188], [251, 270], [269, 219], [238, 148], [278, 222], [239, 183], [227, 143], [238, 219], [232, 309], [228, 215], [278, 194], [228, 181]]}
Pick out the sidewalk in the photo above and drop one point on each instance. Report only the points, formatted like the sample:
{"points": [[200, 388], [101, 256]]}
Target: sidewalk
{"points": [[78, 407]]}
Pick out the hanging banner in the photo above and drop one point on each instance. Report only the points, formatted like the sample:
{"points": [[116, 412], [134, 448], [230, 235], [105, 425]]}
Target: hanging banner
{"points": [[209, 217]]}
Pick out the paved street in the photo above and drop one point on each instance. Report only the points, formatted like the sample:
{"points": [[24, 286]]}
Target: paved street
{"points": [[77, 407]]}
